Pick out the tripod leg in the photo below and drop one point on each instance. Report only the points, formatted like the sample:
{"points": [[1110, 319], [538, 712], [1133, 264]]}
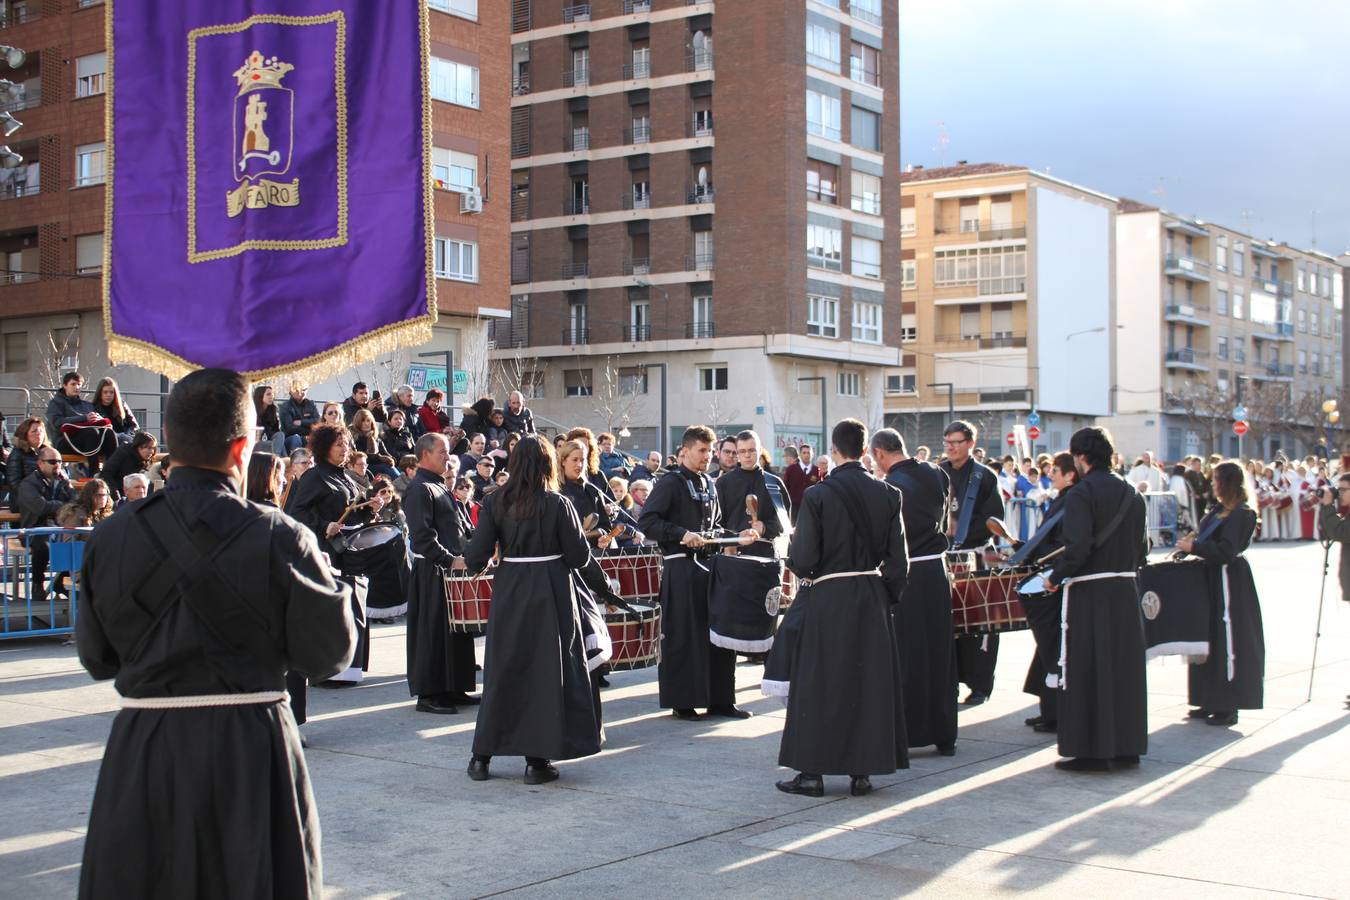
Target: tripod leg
{"points": [[1321, 601]]}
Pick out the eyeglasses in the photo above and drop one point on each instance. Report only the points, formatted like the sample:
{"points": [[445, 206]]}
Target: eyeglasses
{"points": [[956, 443], [50, 462]]}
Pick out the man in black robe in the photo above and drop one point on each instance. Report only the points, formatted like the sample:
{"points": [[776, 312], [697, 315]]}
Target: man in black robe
{"points": [[681, 509], [198, 602], [844, 714], [440, 663], [975, 497], [923, 617], [1103, 701]]}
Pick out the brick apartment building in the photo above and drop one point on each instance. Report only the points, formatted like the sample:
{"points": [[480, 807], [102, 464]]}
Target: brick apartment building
{"points": [[51, 203], [702, 200]]}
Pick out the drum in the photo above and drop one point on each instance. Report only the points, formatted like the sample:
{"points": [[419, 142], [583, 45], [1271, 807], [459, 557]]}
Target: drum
{"points": [[961, 563], [637, 641], [365, 538], [744, 594], [636, 570], [469, 601], [1174, 599], [986, 602], [789, 588]]}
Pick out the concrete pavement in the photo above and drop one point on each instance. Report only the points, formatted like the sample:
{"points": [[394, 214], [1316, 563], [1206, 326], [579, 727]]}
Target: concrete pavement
{"points": [[675, 809]]}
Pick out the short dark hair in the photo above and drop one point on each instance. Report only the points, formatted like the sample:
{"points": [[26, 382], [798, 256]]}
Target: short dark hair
{"points": [[1064, 462], [359, 386], [435, 393], [69, 377], [1230, 483], [748, 435], [142, 439], [426, 443], [789, 452], [849, 437], [1094, 444], [888, 440], [964, 427], [407, 461], [321, 440], [697, 434], [729, 439], [207, 411]]}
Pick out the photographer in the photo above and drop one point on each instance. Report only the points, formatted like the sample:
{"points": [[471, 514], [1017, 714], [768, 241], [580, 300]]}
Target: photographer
{"points": [[1335, 527]]}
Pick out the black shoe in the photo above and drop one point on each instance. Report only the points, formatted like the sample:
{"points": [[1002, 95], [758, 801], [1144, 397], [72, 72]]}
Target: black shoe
{"points": [[304, 743], [1046, 727], [459, 698], [478, 769], [688, 715], [435, 705], [602, 681], [1223, 719], [946, 749], [1083, 764], [540, 773], [1130, 761], [975, 698], [806, 785], [1034, 721], [860, 786], [729, 711], [1200, 713], [334, 683]]}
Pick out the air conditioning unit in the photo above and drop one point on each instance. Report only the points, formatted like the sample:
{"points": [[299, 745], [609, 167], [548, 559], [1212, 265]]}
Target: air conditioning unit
{"points": [[471, 201]]}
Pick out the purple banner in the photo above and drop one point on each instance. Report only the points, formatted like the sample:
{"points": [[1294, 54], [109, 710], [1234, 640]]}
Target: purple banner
{"points": [[269, 193]]}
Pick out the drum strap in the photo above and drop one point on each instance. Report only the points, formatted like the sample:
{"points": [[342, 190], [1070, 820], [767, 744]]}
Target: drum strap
{"points": [[968, 504], [1036, 539], [1064, 618], [779, 504]]}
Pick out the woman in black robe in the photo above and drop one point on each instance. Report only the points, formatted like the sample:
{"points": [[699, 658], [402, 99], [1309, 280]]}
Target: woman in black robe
{"points": [[1232, 677], [1043, 609], [537, 699]]}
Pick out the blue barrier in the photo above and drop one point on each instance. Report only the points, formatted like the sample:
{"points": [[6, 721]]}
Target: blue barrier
{"points": [[25, 612]]}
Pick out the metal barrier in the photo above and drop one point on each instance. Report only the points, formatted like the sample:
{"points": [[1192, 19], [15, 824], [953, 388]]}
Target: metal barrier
{"points": [[1163, 510], [50, 609]]}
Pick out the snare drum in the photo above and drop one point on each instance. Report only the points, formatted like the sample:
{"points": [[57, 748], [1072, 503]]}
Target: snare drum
{"points": [[961, 563], [984, 602], [637, 642], [789, 590], [637, 571], [366, 537], [469, 601]]}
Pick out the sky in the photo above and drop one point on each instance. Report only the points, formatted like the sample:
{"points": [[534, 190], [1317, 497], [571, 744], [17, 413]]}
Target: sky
{"points": [[1233, 111]]}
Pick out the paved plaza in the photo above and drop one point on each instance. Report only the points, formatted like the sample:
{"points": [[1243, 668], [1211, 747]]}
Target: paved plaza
{"points": [[687, 809]]}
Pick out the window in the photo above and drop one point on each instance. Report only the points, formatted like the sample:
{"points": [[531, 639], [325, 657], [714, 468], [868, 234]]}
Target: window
{"points": [[1314, 323], [89, 164], [850, 384], [823, 115], [577, 383], [1303, 362], [703, 122], [822, 47], [867, 322], [970, 323], [822, 181], [642, 62], [577, 332], [908, 226], [1237, 303], [865, 129], [1221, 302], [996, 270], [824, 247], [970, 217], [712, 378], [1221, 254], [16, 351], [1302, 280], [465, 9], [581, 66], [633, 380], [1239, 260], [703, 249], [1316, 363], [642, 129], [909, 333], [454, 82], [90, 72], [899, 384], [867, 198], [1223, 348], [1002, 316], [66, 342], [909, 274], [822, 316], [1239, 349], [867, 10], [1303, 320], [864, 64], [454, 171], [642, 194], [703, 314], [89, 253], [866, 257], [456, 260]]}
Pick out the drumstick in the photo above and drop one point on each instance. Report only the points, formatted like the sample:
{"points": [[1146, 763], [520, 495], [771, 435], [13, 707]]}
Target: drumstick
{"points": [[349, 510], [752, 508]]}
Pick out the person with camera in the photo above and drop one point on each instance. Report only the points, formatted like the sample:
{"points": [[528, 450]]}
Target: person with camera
{"points": [[1334, 527]]}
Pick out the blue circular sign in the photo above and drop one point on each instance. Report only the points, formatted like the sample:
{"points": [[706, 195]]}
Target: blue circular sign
{"points": [[1034, 418], [1240, 413]]}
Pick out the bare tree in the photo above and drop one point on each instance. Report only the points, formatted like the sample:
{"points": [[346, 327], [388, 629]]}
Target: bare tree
{"points": [[1207, 408], [719, 413], [512, 368], [55, 358], [477, 361], [610, 401], [1268, 409]]}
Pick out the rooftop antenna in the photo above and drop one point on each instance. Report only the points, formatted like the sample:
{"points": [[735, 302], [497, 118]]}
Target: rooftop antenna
{"points": [[1246, 216], [1160, 191], [1314, 229], [943, 139]]}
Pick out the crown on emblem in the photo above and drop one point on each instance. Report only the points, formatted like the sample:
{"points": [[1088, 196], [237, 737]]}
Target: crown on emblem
{"points": [[258, 71]]}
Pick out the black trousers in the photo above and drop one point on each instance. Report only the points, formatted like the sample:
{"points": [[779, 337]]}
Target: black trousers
{"points": [[295, 686]]}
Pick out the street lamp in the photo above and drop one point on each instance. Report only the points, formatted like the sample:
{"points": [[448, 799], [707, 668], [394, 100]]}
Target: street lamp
{"points": [[951, 398], [13, 56], [824, 417], [664, 428]]}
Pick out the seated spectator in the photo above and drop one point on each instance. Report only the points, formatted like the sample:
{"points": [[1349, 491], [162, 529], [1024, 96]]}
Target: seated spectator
{"points": [[29, 438], [135, 486], [403, 400], [652, 465], [298, 415], [501, 478], [558, 441], [466, 510], [398, 438], [265, 476], [332, 414], [433, 419], [39, 497], [511, 440], [358, 469], [611, 462], [159, 475], [482, 478], [129, 458], [301, 461], [517, 417], [108, 404], [76, 427], [468, 462], [90, 505], [392, 511], [359, 399], [497, 432], [366, 438], [477, 417], [639, 490], [269, 419], [407, 464], [626, 513]]}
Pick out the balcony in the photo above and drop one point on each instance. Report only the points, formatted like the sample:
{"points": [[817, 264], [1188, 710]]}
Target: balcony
{"points": [[631, 202], [698, 262], [520, 206], [999, 287], [16, 189], [1265, 284], [636, 6], [1188, 313], [1287, 289], [1259, 249], [992, 341], [637, 265], [829, 263], [634, 71], [18, 15], [701, 193], [699, 61], [863, 14], [520, 85], [1188, 267], [575, 270], [640, 135], [700, 128], [697, 330], [577, 76], [577, 140], [27, 99], [573, 336], [986, 231], [503, 334], [1275, 331], [575, 207], [1275, 372], [580, 12], [636, 333], [1187, 358]]}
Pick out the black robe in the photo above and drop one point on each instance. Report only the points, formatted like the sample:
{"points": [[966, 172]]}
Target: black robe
{"points": [[923, 617], [692, 672], [537, 695], [1103, 694], [439, 661], [845, 711], [1210, 687], [216, 801], [733, 486], [976, 654], [1043, 618]]}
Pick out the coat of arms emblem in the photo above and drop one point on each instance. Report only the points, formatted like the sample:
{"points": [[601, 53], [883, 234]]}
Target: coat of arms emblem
{"points": [[264, 122]]}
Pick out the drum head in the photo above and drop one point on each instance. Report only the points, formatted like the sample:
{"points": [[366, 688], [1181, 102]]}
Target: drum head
{"points": [[1033, 585], [372, 536]]}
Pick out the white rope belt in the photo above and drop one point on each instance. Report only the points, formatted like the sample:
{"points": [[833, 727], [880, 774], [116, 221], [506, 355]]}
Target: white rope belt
{"points": [[767, 560], [689, 556], [928, 558], [202, 701], [531, 559], [1228, 626], [1064, 618], [810, 582]]}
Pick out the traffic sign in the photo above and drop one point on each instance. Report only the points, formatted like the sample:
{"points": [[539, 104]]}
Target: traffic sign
{"points": [[1034, 419], [1012, 439], [1033, 432], [1240, 427], [1240, 413]]}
